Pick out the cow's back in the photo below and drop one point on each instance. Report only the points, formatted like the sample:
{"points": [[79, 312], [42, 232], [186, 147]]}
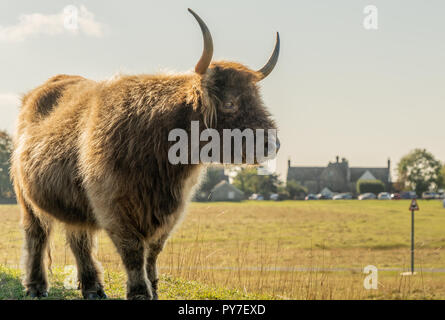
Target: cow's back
{"points": [[45, 160]]}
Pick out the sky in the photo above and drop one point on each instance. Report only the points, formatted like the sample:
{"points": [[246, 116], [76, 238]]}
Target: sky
{"points": [[338, 88]]}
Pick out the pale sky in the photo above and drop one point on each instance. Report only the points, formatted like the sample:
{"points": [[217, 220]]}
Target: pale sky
{"points": [[338, 89]]}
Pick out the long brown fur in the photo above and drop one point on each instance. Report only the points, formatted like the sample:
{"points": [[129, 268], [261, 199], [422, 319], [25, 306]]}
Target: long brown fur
{"points": [[93, 155]]}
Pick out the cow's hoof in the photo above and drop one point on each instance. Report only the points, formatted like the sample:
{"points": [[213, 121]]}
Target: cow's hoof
{"points": [[34, 293], [140, 291], [154, 289], [140, 297], [95, 295], [102, 294]]}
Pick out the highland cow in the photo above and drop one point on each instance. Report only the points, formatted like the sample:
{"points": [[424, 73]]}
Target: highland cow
{"points": [[93, 155]]}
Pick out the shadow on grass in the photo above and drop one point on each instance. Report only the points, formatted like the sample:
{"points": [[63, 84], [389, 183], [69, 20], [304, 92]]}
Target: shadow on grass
{"points": [[11, 287]]}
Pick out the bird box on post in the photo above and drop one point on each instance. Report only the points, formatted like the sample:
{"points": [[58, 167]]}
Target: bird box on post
{"points": [[414, 206]]}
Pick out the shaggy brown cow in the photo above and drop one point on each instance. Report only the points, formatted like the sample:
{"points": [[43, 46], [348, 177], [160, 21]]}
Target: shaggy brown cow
{"points": [[93, 155]]}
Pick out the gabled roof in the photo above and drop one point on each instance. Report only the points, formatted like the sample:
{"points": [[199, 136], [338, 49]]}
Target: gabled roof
{"points": [[367, 176], [381, 174], [225, 185], [326, 191]]}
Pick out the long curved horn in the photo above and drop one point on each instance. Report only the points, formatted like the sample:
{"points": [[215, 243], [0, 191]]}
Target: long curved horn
{"points": [[206, 58], [267, 69]]}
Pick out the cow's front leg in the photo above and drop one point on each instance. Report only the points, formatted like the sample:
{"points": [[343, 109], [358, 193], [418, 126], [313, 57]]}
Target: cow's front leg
{"points": [[132, 251], [154, 248]]}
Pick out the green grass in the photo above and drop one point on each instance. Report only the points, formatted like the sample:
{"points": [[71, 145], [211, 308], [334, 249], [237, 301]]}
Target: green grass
{"points": [[169, 288], [333, 224], [245, 250]]}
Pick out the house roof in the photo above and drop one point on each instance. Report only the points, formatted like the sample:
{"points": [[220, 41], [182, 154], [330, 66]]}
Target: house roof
{"points": [[367, 176], [314, 173], [304, 173], [381, 174], [225, 185], [326, 191]]}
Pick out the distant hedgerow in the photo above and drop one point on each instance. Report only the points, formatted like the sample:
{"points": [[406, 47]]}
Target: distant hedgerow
{"points": [[372, 186]]}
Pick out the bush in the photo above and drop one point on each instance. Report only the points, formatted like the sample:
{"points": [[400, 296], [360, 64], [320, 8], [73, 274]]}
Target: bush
{"points": [[295, 190], [6, 188], [282, 193], [249, 181], [372, 186]]}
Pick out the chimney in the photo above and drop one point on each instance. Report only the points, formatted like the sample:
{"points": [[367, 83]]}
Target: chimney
{"points": [[338, 159], [389, 171], [288, 163]]}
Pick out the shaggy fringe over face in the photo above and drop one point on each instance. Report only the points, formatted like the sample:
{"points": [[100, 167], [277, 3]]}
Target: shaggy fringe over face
{"points": [[209, 107], [219, 75]]}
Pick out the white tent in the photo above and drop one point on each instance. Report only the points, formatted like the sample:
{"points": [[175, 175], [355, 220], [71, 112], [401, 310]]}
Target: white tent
{"points": [[326, 192]]}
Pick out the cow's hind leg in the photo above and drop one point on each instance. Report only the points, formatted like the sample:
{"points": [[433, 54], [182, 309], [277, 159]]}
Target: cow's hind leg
{"points": [[83, 245], [131, 247], [154, 248], [37, 231]]}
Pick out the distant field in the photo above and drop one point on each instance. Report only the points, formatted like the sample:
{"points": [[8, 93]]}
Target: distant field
{"points": [[275, 250]]}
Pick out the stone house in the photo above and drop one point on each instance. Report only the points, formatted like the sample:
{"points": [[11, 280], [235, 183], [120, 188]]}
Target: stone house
{"points": [[224, 191], [338, 176]]}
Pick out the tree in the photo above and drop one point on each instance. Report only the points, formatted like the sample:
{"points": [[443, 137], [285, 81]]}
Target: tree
{"points": [[6, 189], [419, 171], [295, 190], [213, 176], [442, 178], [372, 186], [248, 181]]}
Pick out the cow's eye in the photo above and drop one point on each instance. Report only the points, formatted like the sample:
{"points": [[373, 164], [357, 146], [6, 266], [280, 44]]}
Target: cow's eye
{"points": [[229, 105]]}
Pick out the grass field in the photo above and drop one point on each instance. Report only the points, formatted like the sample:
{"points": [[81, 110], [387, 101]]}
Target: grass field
{"points": [[270, 250]]}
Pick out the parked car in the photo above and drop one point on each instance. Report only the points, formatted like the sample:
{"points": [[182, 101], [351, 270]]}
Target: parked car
{"points": [[342, 196], [367, 196], [408, 195], [321, 196], [311, 196], [256, 196], [429, 195], [274, 197], [395, 196], [384, 196]]}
